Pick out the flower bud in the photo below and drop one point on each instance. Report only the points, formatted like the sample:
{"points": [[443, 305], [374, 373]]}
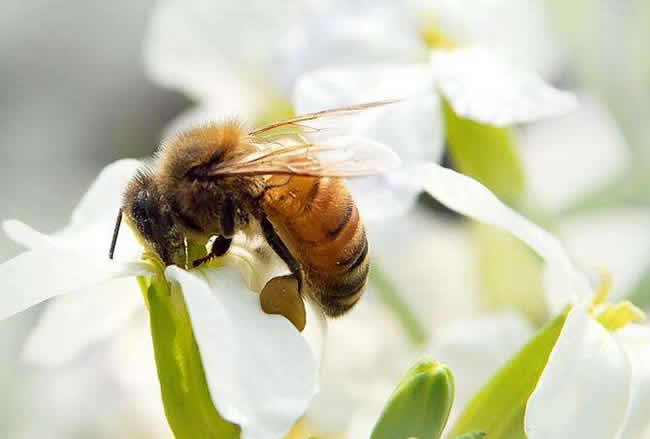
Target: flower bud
{"points": [[419, 406]]}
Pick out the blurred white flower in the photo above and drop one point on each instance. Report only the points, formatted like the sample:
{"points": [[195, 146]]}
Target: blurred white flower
{"points": [[565, 284], [232, 332], [596, 383], [569, 159], [191, 47]]}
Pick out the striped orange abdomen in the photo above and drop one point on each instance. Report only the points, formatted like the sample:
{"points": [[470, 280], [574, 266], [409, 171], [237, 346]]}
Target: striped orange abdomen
{"points": [[319, 223]]}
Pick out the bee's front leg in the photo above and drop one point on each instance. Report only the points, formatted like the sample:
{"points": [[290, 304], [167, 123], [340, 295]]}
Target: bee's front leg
{"points": [[220, 246]]}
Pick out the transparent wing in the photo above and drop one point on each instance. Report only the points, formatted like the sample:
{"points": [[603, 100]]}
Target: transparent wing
{"points": [[301, 124], [343, 156]]}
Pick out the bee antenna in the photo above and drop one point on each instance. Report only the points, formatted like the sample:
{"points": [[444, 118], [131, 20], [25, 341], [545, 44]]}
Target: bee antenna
{"points": [[115, 232]]}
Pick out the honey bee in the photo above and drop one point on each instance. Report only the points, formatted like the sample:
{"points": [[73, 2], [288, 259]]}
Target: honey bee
{"points": [[284, 179]]}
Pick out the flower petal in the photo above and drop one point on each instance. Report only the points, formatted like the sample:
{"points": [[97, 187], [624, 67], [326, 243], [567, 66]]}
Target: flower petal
{"points": [[584, 388], [475, 349], [635, 339], [73, 322], [191, 46], [343, 33], [381, 197], [483, 87], [518, 28], [552, 149], [46, 272], [103, 198], [413, 127], [470, 198], [594, 239], [261, 372]]}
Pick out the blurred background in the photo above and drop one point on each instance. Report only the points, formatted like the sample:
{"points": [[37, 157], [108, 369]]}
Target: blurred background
{"points": [[74, 96]]}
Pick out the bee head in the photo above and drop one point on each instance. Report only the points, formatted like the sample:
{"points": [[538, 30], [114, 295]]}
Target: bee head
{"points": [[151, 219]]}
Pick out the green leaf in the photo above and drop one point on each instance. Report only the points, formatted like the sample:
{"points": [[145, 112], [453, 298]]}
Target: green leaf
{"points": [[498, 408], [188, 405], [472, 435], [420, 405], [486, 153]]}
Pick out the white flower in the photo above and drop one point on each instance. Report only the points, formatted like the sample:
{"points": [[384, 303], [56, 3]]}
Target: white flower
{"points": [[198, 47], [234, 336], [570, 159], [596, 383]]}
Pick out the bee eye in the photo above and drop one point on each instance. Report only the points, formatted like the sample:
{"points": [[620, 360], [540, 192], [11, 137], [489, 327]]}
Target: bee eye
{"points": [[140, 212]]}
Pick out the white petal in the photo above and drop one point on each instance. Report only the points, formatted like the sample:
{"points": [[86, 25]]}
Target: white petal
{"points": [[24, 235], [567, 158], [470, 198], [93, 220], [484, 87], [412, 127], [343, 33], [103, 198], [596, 242], [636, 342], [216, 51], [73, 322], [85, 241], [385, 196], [518, 28], [39, 274], [475, 349], [584, 388], [261, 372]]}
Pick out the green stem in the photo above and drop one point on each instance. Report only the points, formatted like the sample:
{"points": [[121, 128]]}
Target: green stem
{"points": [[391, 297], [188, 405]]}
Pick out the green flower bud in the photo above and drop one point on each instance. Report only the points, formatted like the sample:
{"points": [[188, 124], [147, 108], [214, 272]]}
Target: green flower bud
{"points": [[420, 405]]}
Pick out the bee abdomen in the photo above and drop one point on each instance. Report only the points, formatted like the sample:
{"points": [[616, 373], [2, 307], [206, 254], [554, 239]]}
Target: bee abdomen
{"points": [[320, 225], [341, 290]]}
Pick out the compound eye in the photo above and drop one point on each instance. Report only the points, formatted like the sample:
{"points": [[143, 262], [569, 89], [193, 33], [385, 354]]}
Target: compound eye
{"points": [[140, 211]]}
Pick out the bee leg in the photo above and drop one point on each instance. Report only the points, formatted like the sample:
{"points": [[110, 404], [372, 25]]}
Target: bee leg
{"points": [[280, 296], [281, 250], [220, 246]]}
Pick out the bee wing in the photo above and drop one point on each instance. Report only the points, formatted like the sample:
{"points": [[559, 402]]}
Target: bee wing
{"points": [[343, 156], [300, 124]]}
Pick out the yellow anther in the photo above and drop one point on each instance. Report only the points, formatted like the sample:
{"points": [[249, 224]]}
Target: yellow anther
{"points": [[433, 36], [617, 316], [603, 291]]}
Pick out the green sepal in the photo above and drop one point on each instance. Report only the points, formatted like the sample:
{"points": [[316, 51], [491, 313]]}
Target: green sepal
{"points": [[188, 405], [498, 408], [486, 153], [420, 405]]}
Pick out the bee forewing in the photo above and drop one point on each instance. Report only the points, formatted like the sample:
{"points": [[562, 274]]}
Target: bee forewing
{"points": [[325, 119], [343, 156]]}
